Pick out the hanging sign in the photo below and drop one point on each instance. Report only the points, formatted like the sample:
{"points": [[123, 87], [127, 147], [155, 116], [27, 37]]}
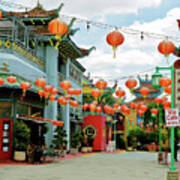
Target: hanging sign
{"points": [[172, 118]]}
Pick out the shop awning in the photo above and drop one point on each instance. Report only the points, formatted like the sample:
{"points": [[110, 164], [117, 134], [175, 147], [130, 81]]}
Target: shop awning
{"points": [[40, 120]]}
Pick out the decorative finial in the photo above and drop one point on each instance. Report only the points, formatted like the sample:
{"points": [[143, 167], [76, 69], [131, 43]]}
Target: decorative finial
{"points": [[38, 3]]}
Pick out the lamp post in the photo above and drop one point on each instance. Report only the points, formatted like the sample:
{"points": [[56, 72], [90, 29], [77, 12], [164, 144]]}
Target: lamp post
{"points": [[115, 121], [156, 77]]}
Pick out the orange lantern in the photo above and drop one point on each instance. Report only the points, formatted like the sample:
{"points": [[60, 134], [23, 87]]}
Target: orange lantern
{"points": [[95, 93], [54, 91], [65, 85], [115, 39], [120, 93], [132, 105], [25, 86], [77, 91], [131, 84], [48, 89], [164, 81], [40, 82], [140, 112], [1, 81], [158, 100], [166, 104], [92, 107], [98, 109], [73, 103], [140, 123], [52, 98], [116, 106], [67, 97], [1, 14], [84, 107], [167, 89], [101, 84], [143, 108], [11, 79], [58, 27], [46, 94], [63, 102], [154, 111], [70, 91], [41, 93], [166, 48], [144, 91], [60, 99]]}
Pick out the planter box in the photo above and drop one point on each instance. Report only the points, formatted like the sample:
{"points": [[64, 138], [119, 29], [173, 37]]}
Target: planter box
{"points": [[63, 153], [84, 149], [73, 151], [89, 149], [19, 155]]}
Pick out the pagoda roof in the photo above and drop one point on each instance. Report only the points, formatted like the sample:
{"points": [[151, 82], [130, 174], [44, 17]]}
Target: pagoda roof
{"points": [[148, 84], [37, 12]]}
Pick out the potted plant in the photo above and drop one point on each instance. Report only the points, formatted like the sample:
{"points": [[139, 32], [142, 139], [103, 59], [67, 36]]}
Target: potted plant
{"points": [[59, 140], [75, 142], [21, 139], [84, 148]]}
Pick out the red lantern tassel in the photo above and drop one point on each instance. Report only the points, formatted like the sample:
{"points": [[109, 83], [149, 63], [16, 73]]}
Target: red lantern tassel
{"points": [[114, 51]]}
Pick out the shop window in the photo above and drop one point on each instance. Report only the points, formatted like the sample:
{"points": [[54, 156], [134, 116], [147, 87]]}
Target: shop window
{"points": [[22, 109], [5, 109]]}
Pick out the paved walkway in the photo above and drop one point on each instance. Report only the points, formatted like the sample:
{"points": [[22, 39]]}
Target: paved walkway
{"points": [[96, 166]]}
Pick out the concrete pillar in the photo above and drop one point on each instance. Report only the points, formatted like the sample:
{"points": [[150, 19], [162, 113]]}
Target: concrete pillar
{"points": [[52, 78], [66, 112]]}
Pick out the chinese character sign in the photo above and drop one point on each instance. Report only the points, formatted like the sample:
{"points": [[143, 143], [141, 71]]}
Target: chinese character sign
{"points": [[172, 118]]}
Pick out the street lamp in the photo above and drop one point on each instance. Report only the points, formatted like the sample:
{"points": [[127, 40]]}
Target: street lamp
{"points": [[155, 77]]}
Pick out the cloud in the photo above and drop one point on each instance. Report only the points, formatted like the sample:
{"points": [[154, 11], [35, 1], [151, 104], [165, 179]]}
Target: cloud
{"points": [[134, 55]]}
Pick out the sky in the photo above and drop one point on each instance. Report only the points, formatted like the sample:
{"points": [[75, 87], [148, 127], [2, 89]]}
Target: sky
{"points": [[134, 56]]}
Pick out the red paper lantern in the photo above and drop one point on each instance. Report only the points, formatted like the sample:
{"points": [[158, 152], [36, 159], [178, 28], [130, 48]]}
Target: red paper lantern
{"points": [[115, 39], [46, 94], [140, 123], [120, 93], [73, 103], [158, 100], [1, 15], [11, 79], [70, 91], [85, 107], [154, 111], [95, 93], [25, 86], [41, 93], [101, 84], [1, 81], [164, 81], [115, 105], [65, 85], [63, 102], [54, 91], [67, 97], [144, 91], [52, 98], [143, 108], [131, 84], [92, 107], [58, 27], [178, 21], [166, 105], [77, 91], [48, 89], [98, 109], [40, 82], [166, 47], [140, 112], [60, 99], [167, 89]]}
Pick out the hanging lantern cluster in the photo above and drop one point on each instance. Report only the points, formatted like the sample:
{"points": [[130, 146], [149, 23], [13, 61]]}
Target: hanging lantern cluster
{"points": [[115, 39]]}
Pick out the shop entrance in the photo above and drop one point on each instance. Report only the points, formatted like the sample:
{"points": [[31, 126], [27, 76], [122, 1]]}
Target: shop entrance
{"points": [[5, 139]]}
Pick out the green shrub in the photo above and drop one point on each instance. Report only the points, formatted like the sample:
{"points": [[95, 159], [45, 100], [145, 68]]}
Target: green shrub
{"points": [[22, 136]]}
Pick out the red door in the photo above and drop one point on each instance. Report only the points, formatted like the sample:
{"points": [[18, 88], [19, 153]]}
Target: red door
{"points": [[5, 138]]}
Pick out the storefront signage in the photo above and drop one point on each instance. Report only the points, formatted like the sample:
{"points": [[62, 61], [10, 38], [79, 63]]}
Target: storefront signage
{"points": [[172, 118], [28, 55], [89, 131]]}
